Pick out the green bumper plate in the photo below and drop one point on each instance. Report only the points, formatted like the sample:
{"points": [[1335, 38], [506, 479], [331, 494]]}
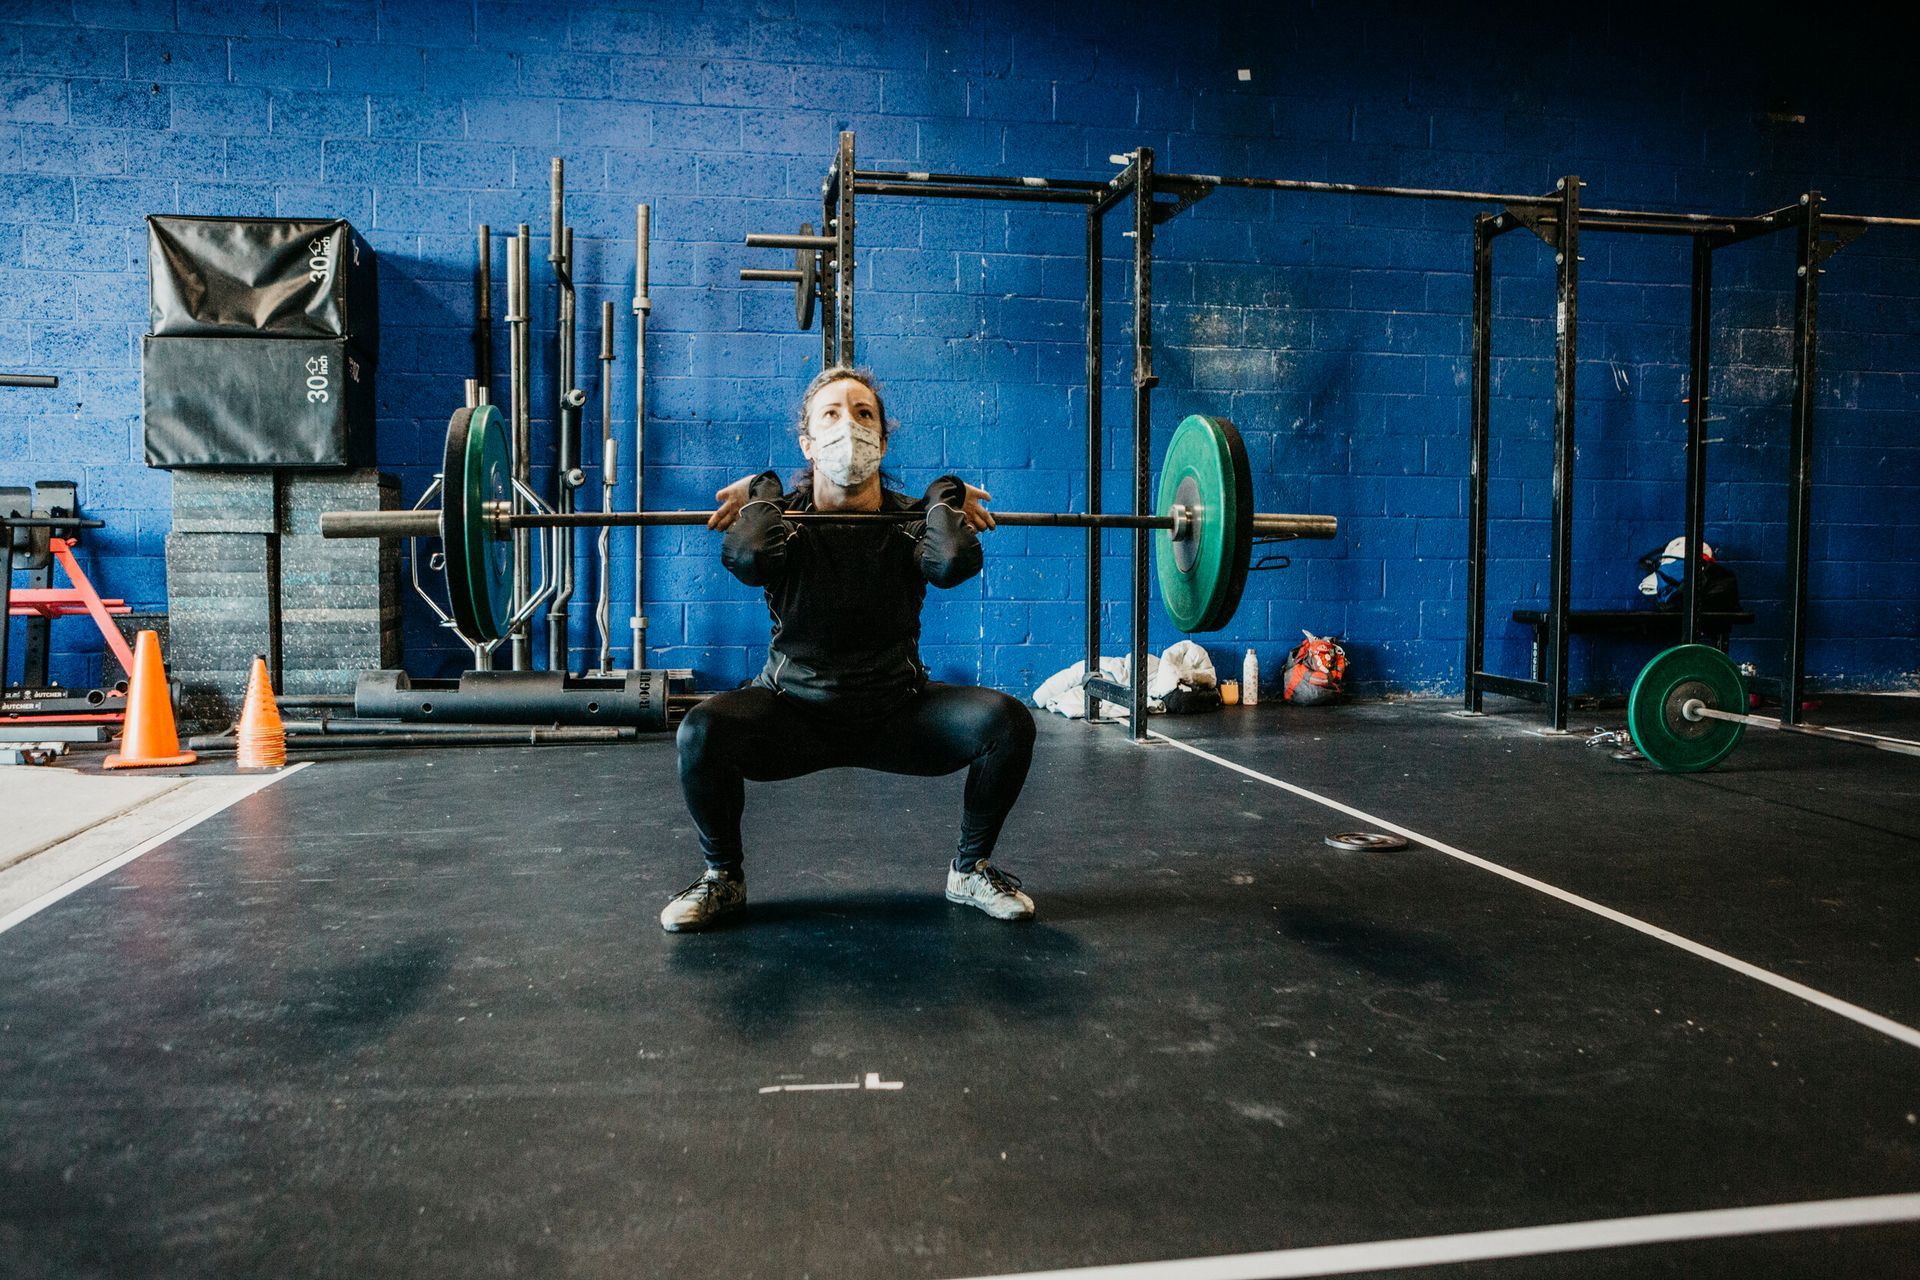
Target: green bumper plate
{"points": [[1202, 576], [1655, 713], [474, 473]]}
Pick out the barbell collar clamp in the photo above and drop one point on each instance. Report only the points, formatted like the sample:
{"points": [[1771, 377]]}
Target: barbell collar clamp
{"points": [[1183, 518]]}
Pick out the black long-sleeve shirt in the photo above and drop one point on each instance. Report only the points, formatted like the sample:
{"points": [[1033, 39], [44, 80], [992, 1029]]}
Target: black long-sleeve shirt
{"points": [[845, 599]]}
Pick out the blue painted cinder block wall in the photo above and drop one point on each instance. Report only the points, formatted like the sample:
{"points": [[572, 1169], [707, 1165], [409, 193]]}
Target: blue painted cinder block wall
{"points": [[1334, 330]]}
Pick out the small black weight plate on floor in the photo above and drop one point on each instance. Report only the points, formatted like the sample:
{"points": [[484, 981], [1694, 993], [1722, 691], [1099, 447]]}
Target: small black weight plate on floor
{"points": [[1656, 708], [474, 473], [1367, 841]]}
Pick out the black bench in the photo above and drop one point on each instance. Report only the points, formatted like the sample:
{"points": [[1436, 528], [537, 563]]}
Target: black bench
{"points": [[1716, 627]]}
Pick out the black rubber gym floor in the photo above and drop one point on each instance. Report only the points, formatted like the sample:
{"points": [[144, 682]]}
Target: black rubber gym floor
{"points": [[411, 1015]]}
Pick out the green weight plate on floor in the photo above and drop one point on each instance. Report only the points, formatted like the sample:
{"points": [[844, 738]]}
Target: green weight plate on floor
{"points": [[1655, 708], [475, 472], [1202, 576]]}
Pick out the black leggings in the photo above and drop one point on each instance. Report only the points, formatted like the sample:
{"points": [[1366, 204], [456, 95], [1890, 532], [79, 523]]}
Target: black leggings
{"points": [[754, 734]]}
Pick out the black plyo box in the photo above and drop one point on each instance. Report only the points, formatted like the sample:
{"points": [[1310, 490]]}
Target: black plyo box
{"points": [[248, 277], [256, 402]]}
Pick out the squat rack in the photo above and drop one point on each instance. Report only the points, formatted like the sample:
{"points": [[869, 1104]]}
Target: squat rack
{"points": [[1557, 218], [1816, 243]]}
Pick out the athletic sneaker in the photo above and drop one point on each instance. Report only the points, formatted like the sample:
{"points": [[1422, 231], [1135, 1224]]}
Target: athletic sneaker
{"points": [[992, 890], [704, 902]]}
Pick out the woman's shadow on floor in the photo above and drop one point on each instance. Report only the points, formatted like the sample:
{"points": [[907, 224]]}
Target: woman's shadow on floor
{"points": [[910, 953]]}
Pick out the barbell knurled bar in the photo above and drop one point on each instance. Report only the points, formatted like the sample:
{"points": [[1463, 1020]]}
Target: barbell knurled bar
{"points": [[1205, 517], [426, 523], [1695, 709]]}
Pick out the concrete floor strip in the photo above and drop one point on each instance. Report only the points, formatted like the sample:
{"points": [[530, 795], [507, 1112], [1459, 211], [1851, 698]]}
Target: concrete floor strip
{"points": [[1832, 1004], [48, 806], [231, 790], [1510, 1242]]}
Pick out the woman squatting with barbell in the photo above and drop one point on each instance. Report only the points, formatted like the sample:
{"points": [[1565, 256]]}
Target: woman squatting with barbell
{"points": [[843, 686]]}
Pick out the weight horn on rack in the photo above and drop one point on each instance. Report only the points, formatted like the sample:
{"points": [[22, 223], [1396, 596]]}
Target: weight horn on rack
{"points": [[1205, 525], [806, 275]]}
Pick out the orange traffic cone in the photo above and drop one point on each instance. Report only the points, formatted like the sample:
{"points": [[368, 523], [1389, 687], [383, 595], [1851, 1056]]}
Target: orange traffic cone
{"points": [[262, 738], [149, 738]]}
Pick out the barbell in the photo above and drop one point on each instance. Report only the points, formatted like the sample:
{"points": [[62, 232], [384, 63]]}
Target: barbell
{"points": [[1679, 718], [1205, 519]]}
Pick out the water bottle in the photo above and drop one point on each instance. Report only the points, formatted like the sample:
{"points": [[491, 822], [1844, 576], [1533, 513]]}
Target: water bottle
{"points": [[1250, 681]]}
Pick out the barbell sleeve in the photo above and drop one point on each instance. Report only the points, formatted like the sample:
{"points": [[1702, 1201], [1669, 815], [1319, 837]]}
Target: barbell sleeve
{"points": [[380, 524], [1270, 524]]}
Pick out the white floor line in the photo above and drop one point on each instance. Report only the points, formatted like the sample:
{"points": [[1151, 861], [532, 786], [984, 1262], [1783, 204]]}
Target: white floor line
{"points": [[1511, 1242], [1865, 1017], [226, 801]]}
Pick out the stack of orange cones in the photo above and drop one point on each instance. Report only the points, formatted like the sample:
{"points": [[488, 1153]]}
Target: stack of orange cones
{"points": [[262, 739], [149, 739]]}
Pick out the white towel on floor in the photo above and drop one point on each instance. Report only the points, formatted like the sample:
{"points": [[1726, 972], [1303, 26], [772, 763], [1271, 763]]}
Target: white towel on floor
{"points": [[1183, 663]]}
